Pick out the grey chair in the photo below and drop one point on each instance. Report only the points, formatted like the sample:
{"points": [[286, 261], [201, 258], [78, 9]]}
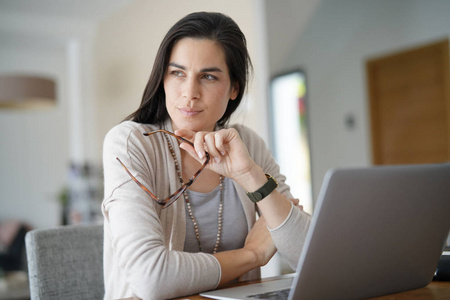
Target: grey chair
{"points": [[66, 262]]}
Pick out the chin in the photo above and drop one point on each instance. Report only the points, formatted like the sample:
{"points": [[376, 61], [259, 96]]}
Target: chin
{"points": [[186, 125], [193, 126]]}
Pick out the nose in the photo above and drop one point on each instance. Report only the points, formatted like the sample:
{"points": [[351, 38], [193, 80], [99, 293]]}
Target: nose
{"points": [[191, 89]]}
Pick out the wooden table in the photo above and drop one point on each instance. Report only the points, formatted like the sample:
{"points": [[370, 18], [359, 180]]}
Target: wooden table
{"points": [[436, 290]]}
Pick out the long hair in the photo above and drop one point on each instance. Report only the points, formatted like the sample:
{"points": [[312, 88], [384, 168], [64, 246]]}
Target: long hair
{"points": [[202, 25]]}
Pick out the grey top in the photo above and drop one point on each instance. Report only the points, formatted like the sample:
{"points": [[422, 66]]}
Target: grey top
{"points": [[205, 207]]}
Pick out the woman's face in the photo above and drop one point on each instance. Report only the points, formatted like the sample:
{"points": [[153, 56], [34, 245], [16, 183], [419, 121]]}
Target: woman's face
{"points": [[197, 85]]}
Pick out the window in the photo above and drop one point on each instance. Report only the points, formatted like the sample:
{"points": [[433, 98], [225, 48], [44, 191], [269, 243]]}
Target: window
{"points": [[289, 134]]}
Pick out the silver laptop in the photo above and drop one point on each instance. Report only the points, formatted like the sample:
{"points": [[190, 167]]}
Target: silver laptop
{"points": [[374, 231]]}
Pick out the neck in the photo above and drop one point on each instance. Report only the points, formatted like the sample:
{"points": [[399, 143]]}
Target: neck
{"points": [[208, 129]]}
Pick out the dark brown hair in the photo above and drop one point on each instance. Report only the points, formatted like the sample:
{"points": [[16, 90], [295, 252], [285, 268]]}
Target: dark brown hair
{"points": [[203, 25]]}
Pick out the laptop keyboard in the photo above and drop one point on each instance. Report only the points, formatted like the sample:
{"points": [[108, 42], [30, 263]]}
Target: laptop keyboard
{"points": [[274, 295]]}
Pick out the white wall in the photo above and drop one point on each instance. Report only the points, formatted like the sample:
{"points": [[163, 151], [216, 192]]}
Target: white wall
{"points": [[37, 146], [32, 166], [333, 48], [286, 22]]}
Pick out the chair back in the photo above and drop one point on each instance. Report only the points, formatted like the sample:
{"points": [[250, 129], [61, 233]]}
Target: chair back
{"points": [[66, 262]]}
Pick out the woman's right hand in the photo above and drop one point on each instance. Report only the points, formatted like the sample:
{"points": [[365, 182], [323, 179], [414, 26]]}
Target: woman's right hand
{"points": [[260, 242], [229, 155]]}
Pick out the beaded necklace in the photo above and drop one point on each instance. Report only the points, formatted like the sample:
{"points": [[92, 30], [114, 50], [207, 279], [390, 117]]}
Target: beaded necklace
{"points": [[188, 204]]}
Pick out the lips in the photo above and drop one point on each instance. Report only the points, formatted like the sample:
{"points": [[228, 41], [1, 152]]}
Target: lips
{"points": [[189, 112]]}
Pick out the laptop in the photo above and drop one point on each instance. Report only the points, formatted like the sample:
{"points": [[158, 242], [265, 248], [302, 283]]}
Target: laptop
{"points": [[374, 231]]}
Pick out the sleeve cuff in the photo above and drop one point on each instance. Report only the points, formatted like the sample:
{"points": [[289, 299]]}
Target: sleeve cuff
{"points": [[273, 230], [220, 271]]}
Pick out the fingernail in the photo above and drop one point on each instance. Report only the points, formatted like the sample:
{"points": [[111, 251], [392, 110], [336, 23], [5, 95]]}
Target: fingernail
{"points": [[217, 159], [200, 154], [222, 152]]}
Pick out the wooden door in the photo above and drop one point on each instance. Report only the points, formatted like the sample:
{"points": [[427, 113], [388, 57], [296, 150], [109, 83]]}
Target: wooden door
{"points": [[410, 105]]}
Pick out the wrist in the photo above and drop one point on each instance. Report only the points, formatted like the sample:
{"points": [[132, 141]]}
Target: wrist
{"points": [[264, 191], [252, 179], [234, 263], [254, 258]]}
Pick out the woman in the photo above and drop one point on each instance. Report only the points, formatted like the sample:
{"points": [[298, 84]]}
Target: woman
{"points": [[157, 247]]}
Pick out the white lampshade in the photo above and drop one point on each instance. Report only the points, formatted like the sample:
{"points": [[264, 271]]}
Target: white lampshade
{"points": [[23, 91]]}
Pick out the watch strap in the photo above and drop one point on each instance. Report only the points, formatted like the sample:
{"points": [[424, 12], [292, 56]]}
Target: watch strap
{"points": [[263, 191]]}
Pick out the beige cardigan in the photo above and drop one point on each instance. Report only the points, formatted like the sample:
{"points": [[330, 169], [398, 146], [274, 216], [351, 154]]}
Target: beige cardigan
{"points": [[143, 243]]}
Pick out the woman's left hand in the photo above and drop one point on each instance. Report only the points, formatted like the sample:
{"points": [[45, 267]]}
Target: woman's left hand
{"points": [[229, 155]]}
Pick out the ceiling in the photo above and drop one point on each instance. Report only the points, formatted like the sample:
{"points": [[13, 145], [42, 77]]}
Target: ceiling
{"points": [[92, 10], [16, 32]]}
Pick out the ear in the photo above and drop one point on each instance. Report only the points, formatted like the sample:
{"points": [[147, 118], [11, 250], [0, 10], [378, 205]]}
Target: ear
{"points": [[234, 91]]}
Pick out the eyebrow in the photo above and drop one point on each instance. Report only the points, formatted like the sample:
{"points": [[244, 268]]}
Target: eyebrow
{"points": [[206, 70]]}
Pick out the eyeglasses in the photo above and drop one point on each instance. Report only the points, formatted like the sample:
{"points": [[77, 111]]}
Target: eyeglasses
{"points": [[172, 198]]}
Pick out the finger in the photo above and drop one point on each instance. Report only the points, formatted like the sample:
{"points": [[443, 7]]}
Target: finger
{"points": [[189, 149], [295, 201], [210, 140], [190, 136], [187, 134], [199, 141], [219, 144]]}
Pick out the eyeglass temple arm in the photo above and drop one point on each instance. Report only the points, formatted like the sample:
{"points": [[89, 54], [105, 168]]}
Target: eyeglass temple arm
{"points": [[140, 184], [170, 133], [167, 202]]}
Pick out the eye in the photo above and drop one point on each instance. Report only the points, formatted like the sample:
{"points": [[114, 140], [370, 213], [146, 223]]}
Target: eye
{"points": [[209, 77], [176, 73]]}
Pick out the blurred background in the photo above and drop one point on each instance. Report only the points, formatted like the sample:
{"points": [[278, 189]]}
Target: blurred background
{"points": [[99, 53]]}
